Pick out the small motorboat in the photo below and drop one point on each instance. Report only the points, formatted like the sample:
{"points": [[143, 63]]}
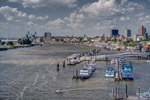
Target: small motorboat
{"points": [[60, 91]]}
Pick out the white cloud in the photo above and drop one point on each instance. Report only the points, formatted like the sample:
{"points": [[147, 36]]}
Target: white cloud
{"points": [[144, 20], [101, 8], [57, 22], [30, 23], [46, 3], [123, 18], [14, 14]]}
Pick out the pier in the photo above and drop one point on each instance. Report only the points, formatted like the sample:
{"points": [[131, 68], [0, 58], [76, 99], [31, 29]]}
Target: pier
{"points": [[138, 55], [115, 95]]}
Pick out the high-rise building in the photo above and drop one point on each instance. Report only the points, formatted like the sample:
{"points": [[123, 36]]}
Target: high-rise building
{"points": [[142, 30], [114, 33], [102, 37], [128, 33], [47, 35]]}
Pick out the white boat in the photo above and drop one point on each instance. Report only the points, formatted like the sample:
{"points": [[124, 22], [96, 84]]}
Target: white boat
{"points": [[147, 60], [110, 72], [85, 73], [90, 66], [60, 91], [145, 94], [72, 61]]}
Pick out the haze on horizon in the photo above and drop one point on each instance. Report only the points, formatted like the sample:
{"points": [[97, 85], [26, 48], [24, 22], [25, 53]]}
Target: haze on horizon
{"points": [[72, 17]]}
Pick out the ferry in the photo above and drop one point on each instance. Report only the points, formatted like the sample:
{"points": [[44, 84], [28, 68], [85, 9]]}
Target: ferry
{"points": [[110, 72], [85, 73], [127, 71], [90, 66]]}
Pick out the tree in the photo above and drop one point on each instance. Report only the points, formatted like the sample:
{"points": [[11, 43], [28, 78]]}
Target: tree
{"points": [[24, 41], [10, 43], [3, 42]]}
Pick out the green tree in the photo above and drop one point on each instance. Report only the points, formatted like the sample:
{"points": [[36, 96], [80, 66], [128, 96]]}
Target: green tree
{"points": [[10, 43], [24, 41], [3, 42]]}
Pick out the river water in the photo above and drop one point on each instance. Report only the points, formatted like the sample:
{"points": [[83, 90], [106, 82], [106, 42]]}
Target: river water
{"points": [[30, 74]]}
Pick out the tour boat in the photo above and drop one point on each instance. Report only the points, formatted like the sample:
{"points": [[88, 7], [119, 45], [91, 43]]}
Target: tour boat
{"points": [[127, 71], [110, 72], [85, 73]]}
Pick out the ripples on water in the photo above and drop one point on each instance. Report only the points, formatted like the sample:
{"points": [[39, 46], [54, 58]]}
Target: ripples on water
{"points": [[30, 73]]}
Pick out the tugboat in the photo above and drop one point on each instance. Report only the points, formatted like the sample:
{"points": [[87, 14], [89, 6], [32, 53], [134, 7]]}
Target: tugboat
{"points": [[85, 73], [109, 72], [127, 71]]}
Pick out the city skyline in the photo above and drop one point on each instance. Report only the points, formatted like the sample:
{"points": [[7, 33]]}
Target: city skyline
{"points": [[73, 17]]}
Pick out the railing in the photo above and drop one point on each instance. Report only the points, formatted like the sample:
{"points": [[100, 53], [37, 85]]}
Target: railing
{"points": [[105, 57]]}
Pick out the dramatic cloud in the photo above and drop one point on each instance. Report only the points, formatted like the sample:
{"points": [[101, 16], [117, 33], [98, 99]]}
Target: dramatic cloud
{"points": [[14, 14], [101, 8], [85, 18], [45, 3]]}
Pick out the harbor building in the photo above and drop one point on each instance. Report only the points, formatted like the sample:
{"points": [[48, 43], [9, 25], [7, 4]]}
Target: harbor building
{"points": [[128, 33], [47, 36], [102, 37], [114, 33]]}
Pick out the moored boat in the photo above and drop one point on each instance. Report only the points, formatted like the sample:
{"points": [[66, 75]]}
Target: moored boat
{"points": [[147, 60], [110, 72], [72, 62], [85, 73], [90, 66], [145, 94], [121, 60], [127, 71]]}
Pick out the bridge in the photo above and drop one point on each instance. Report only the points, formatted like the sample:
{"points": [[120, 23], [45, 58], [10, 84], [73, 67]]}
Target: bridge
{"points": [[139, 55]]}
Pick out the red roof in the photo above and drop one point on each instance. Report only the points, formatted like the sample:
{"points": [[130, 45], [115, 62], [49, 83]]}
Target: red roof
{"points": [[146, 46]]}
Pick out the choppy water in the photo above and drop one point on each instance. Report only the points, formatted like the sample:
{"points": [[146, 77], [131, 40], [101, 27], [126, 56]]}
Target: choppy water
{"points": [[30, 74]]}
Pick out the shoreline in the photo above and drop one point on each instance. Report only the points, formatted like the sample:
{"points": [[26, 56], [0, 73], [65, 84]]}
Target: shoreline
{"points": [[4, 48]]}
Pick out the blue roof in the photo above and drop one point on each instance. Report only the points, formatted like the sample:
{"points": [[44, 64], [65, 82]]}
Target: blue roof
{"points": [[110, 68]]}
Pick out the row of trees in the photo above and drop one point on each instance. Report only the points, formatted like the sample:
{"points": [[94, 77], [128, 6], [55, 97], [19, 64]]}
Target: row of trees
{"points": [[24, 41], [20, 41], [8, 43]]}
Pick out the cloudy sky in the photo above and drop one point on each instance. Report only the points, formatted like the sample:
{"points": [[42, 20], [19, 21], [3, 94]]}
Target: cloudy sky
{"points": [[72, 17]]}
